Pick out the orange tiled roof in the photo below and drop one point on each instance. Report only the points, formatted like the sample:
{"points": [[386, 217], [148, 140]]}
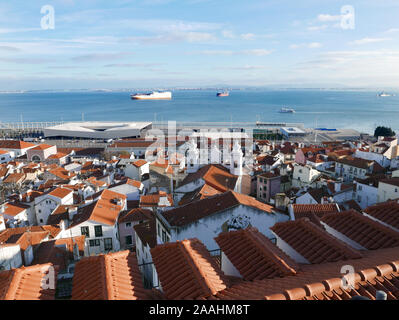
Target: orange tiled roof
{"points": [[364, 231], [51, 251], [152, 200], [115, 276], [216, 176], [15, 144], [254, 255], [13, 209], [187, 270], [5, 235], [301, 210], [61, 192], [136, 214], [198, 194], [42, 147], [312, 242], [197, 210], [104, 211], [139, 163], [14, 178], [25, 283], [58, 155], [387, 212], [379, 270]]}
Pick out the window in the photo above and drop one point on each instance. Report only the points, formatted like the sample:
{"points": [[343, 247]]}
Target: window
{"points": [[98, 231], [85, 231], [41, 220], [128, 240], [264, 195], [128, 224], [359, 188], [94, 243], [107, 244], [165, 238], [159, 230]]}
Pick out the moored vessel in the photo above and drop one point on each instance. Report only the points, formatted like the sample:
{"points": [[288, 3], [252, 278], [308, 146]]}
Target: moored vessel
{"points": [[223, 94], [155, 95], [287, 110]]}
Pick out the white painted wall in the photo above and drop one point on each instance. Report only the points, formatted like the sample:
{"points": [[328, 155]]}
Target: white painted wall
{"points": [[210, 227], [10, 256]]}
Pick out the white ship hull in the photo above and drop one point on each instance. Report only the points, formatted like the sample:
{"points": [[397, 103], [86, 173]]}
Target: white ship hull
{"points": [[153, 96]]}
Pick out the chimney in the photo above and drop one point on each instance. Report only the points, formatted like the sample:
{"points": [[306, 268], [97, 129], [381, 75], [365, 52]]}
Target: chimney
{"points": [[71, 212]]}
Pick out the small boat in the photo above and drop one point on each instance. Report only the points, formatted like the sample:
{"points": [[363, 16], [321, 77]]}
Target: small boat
{"points": [[222, 94], [384, 94], [155, 95], [287, 110]]}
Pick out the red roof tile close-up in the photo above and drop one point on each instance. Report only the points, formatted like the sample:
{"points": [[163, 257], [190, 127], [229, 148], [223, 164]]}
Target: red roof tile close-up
{"points": [[187, 270], [254, 255]]}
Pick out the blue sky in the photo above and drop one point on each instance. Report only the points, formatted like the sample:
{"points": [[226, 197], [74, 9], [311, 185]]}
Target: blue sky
{"points": [[190, 43]]}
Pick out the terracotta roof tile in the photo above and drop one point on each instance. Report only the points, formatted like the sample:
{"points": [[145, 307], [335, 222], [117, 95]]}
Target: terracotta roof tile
{"points": [[364, 231], [187, 270], [115, 276], [13, 209], [137, 214], [387, 212], [312, 242], [378, 270], [139, 163], [254, 255], [60, 192], [198, 194], [15, 144], [301, 210], [152, 200], [216, 176], [25, 283], [42, 147]]}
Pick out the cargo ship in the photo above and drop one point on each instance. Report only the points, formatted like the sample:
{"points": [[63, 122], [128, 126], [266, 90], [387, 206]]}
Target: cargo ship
{"points": [[222, 94], [155, 95]]}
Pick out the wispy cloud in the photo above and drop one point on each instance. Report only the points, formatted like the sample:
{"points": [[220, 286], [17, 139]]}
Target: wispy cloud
{"points": [[328, 17], [368, 41], [9, 48], [311, 45], [132, 65], [251, 52], [101, 56]]}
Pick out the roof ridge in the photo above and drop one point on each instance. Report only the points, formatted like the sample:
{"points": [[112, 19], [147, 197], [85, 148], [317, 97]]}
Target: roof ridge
{"points": [[340, 245]]}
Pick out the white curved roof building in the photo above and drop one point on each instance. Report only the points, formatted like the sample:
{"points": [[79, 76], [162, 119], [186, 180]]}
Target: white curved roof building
{"points": [[97, 130]]}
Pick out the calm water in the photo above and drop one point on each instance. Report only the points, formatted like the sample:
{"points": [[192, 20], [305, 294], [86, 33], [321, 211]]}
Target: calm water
{"points": [[331, 109]]}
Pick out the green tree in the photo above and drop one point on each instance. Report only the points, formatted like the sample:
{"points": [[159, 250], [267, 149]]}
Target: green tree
{"points": [[384, 132]]}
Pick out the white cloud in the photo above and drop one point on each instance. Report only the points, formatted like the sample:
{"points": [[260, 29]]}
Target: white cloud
{"points": [[318, 28], [328, 18], [314, 45], [251, 52], [228, 34], [368, 40], [311, 45], [248, 36]]}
